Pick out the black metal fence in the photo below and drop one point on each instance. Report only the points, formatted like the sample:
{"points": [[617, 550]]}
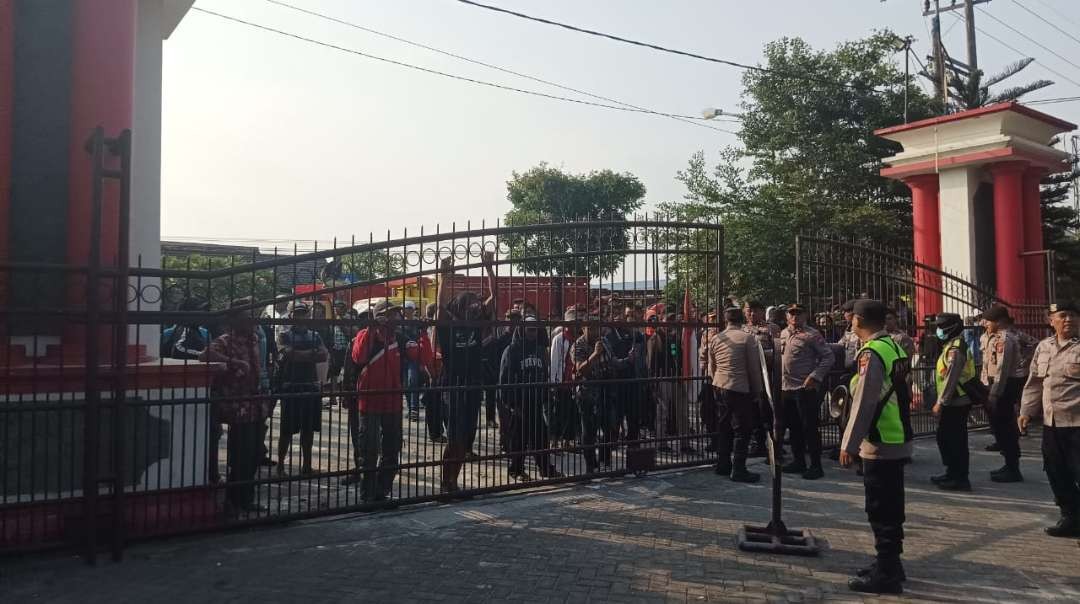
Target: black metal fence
{"points": [[198, 395]]}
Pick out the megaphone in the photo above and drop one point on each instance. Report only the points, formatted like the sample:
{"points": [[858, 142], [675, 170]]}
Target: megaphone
{"points": [[839, 405]]}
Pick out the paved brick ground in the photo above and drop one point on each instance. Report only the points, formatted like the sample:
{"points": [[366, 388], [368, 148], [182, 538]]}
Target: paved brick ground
{"points": [[667, 537]]}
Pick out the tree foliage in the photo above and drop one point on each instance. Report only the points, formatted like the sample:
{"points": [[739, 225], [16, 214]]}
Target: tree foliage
{"points": [[259, 285], [545, 194], [808, 161]]}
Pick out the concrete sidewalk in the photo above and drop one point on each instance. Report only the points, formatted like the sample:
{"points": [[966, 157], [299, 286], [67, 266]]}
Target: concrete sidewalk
{"points": [[666, 537]]}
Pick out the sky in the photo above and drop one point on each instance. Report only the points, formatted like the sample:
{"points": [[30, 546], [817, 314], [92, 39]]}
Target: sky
{"points": [[267, 137]]}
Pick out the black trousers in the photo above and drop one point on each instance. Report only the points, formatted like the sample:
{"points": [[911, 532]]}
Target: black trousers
{"points": [[589, 404], [1003, 421], [434, 411], [735, 418], [883, 481], [801, 411], [380, 447], [244, 458], [1061, 458], [952, 441], [528, 431]]}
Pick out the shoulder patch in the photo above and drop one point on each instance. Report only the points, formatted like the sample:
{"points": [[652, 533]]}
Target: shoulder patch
{"points": [[864, 362], [999, 347], [952, 355]]}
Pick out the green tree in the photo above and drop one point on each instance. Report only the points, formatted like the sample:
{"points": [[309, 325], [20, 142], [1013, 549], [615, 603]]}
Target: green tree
{"points": [[544, 194], [257, 284], [809, 160]]}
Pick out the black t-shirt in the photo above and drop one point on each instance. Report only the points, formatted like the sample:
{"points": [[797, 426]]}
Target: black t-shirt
{"points": [[301, 372], [463, 354]]}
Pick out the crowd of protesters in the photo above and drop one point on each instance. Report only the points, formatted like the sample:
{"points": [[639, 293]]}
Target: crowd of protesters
{"points": [[609, 375]]}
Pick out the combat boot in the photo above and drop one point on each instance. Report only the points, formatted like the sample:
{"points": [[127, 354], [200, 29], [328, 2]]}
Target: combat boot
{"points": [[866, 571], [955, 484], [795, 467], [739, 473], [1067, 526], [1007, 474], [876, 583]]}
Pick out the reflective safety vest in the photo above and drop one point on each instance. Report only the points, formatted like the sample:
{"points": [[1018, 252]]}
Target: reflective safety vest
{"points": [[966, 374], [892, 422]]}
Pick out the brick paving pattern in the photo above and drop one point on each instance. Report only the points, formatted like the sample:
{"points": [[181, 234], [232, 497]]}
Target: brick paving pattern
{"points": [[663, 538]]}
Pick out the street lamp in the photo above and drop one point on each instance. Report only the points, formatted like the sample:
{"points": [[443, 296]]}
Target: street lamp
{"points": [[711, 113]]}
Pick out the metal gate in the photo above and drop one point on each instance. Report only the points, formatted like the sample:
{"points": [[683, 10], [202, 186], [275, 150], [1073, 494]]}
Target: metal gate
{"points": [[830, 272], [174, 439]]}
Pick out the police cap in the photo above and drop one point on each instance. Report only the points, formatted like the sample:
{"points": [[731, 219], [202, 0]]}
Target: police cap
{"points": [[849, 306], [1065, 306]]}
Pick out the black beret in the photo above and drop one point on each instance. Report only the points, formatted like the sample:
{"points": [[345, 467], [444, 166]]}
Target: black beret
{"points": [[996, 313], [871, 310]]}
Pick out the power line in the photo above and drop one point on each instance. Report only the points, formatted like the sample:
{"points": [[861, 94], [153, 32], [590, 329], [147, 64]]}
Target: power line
{"points": [[1029, 38], [1022, 53], [1067, 99], [450, 75], [674, 51], [473, 61], [1058, 12], [1044, 20]]}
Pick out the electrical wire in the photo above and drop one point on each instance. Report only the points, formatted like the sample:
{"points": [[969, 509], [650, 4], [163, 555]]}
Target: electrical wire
{"points": [[475, 61], [450, 75], [1021, 53], [1067, 99], [1046, 21], [1065, 17], [684, 53], [1029, 38]]}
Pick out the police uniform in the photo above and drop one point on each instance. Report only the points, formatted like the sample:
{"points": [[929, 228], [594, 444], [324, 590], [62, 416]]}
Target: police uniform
{"points": [[1001, 363], [851, 345], [767, 334], [880, 433], [1053, 389], [735, 361], [955, 367], [803, 354]]}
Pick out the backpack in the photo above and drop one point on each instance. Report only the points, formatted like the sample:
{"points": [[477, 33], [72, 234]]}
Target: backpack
{"points": [[185, 342]]}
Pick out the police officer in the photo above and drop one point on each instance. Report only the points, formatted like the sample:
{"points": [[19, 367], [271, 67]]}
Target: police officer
{"points": [[734, 358], [1053, 387], [849, 340], [955, 367], [767, 334], [1001, 361], [880, 433], [805, 360]]}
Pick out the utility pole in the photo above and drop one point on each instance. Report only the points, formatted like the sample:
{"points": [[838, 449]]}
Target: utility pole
{"points": [[941, 85], [941, 88], [969, 21], [907, 73]]}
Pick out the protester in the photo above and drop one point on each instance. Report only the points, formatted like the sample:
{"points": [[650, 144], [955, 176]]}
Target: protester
{"points": [[463, 370], [525, 361], [188, 340], [410, 368], [636, 399], [902, 339], [300, 350], [342, 341], [243, 407], [379, 351], [563, 412], [432, 400], [663, 358], [591, 368]]}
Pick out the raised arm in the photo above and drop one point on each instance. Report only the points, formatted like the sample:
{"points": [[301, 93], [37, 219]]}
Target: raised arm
{"points": [[442, 297], [489, 270]]}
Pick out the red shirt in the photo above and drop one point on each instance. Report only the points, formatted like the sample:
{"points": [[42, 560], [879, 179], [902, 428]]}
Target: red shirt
{"points": [[380, 359]]}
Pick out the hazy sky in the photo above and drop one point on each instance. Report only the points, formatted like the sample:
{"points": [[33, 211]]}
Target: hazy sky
{"points": [[275, 138]]}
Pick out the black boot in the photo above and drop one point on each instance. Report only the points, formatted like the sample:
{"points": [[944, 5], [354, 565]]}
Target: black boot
{"points": [[940, 478], [813, 473], [739, 473], [1067, 526], [1007, 474], [866, 571], [954, 484], [883, 578], [795, 467], [993, 446], [722, 469]]}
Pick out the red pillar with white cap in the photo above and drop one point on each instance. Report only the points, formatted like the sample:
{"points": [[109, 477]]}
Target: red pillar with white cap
{"points": [[1009, 230], [926, 223]]}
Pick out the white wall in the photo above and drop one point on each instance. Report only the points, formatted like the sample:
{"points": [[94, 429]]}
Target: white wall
{"points": [[957, 198], [146, 161]]}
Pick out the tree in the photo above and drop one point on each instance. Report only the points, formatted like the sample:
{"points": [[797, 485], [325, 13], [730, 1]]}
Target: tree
{"points": [[259, 285], [809, 160], [544, 194], [972, 92]]}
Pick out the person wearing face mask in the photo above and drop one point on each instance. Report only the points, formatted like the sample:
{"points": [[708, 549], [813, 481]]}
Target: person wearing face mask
{"points": [[525, 361], [1053, 389], [954, 373], [243, 408]]}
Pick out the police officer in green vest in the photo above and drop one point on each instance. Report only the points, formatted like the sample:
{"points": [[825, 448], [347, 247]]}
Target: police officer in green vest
{"points": [[955, 369], [879, 432]]}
